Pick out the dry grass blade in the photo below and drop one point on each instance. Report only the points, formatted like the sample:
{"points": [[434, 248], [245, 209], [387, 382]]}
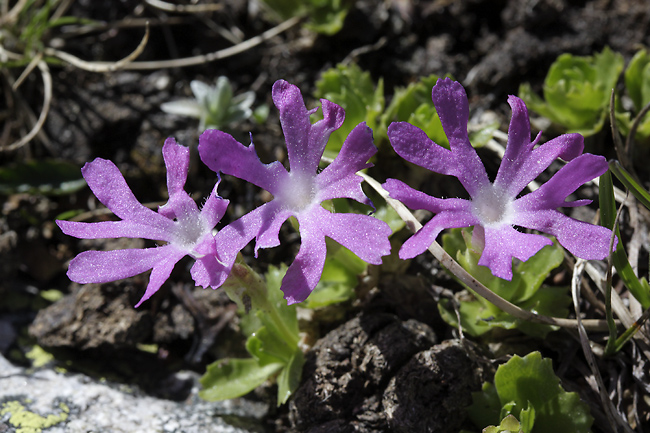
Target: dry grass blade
{"points": [[28, 70], [217, 55], [188, 9], [101, 66], [613, 416], [448, 262], [12, 15], [47, 99]]}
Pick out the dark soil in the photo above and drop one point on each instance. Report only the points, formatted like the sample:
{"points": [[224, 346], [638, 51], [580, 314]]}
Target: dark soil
{"points": [[388, 363]]}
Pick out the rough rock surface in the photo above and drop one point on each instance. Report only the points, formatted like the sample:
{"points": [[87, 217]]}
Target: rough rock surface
{"points": [[74, 403], [376, 372]]}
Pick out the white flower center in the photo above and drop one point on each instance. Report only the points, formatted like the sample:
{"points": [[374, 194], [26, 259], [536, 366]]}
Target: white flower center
{"points": [[298, 193], [189, 230], [493, 207]]}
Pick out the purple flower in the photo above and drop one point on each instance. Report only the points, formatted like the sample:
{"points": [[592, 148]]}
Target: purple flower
{"points": [[493, 208], [299, 192], [186, 229]]}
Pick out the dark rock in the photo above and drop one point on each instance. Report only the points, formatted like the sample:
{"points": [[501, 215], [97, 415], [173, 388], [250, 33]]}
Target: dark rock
{"points": [[92, 317], [347, 371], [430, 393]]}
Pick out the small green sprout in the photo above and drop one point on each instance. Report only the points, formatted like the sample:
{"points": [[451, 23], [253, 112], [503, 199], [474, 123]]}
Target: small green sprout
{"points": [[325, 16], [577, 91], [215, 106], [528, 390]]}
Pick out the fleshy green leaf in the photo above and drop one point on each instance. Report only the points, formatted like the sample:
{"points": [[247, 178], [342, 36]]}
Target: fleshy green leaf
{"points": [[637, 84], [231, 378], [289, 377], [577, 90], [325, 16], [509, 424], [529, 389], [355, 91], [413, 104]]}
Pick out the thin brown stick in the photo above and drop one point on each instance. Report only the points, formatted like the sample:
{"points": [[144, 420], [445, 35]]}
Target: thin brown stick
{"points": [[217, 55], [47, 99], [101, 66], [187, 9]]}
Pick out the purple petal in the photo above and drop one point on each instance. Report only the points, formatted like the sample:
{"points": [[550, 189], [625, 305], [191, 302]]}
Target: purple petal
{"points": [[214, 208], [305, 143], [177, 161], [584, 240], [209, 272], [161, 272], [415, 199], [504, 243], [262, 223], [105, 266], [222, 153], [553, 193], [521, 164], [305, 272], [365, 236], [420, 241], [110, 188], [113, 229], [450, 100], [413, 144], [339, 179]]}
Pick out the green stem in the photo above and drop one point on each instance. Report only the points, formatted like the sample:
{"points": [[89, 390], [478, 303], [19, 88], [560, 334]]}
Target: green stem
{"points": [[248, 290]]}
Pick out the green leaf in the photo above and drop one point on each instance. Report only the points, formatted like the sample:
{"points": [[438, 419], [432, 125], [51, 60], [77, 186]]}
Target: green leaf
{"points": [[637, 79], [413, 104], [268, 348], [529, 389], [355, 91], [325, 16], [231, 378], [508, 424], [286, 313], [525, 289], [630, 183], [527, 419], [289, 377], [531, 382], [48, 177], [485, 406], [577, 91]]}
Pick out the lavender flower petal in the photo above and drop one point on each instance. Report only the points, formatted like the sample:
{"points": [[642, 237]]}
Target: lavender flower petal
{"points": [[222, 153], [413, 144], [339, 179], [305, 142], [450, 100], [494, 207], [504, 243]]}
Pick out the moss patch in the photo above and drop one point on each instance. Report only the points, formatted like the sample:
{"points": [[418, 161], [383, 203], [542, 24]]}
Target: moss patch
{"points": [[29, 422]]}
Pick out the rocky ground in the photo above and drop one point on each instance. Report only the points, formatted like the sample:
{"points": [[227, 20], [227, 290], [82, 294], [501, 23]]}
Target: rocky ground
{"points": [[380, 365]]}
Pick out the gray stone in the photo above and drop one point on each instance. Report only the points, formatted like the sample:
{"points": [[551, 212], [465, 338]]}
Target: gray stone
{"points": [[75, 403]]}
